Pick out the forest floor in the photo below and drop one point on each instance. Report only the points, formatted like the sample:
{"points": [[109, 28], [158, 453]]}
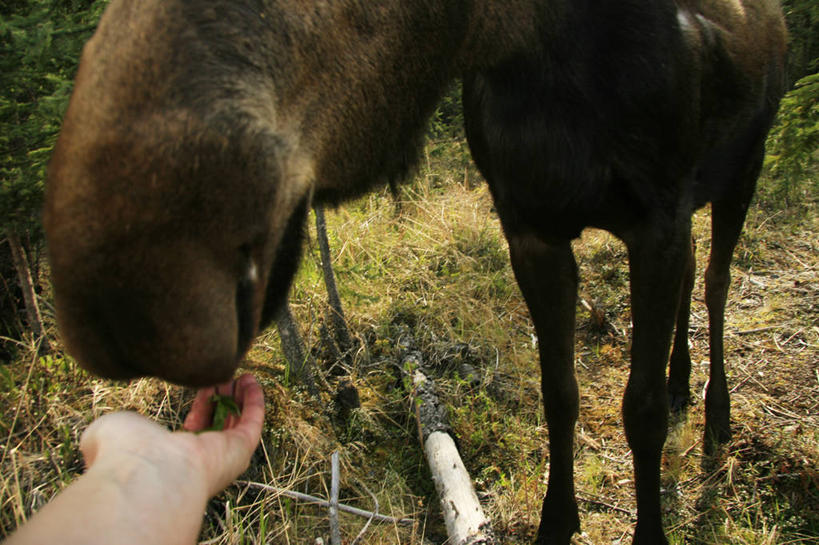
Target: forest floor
{"points": [[431, 262]]}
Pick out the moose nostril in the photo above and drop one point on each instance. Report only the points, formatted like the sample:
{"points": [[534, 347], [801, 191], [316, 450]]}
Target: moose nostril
{"points": [[102, 329]]}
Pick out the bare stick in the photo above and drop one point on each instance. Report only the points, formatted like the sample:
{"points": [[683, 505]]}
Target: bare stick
{"points": [[307, 498], [375, 512], [757, 330], [342, 333], [298, 359], [335, 531], [690, 448], [35, 320], [593, 501], [464, 517]]}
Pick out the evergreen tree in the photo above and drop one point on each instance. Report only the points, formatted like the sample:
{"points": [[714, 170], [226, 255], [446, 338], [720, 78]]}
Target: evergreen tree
{"points": [[40, 45], [794, 140], [803, 47]]}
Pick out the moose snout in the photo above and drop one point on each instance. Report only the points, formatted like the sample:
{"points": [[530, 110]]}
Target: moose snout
{"points": [[182, 319]]}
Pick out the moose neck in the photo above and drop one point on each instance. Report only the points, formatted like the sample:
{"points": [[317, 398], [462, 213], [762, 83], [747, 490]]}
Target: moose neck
{"points": [[361, 80], [348, 87]]}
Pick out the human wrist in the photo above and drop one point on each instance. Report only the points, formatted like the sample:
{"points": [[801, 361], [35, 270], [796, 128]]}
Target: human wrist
{"points": [[159, 498], [121, 499]]}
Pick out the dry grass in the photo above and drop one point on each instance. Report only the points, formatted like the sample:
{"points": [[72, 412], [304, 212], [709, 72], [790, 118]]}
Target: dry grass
{"points": [[433, 262]]}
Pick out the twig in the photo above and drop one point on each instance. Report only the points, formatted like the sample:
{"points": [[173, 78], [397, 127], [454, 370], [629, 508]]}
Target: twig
{"points": [[749, 376], [742, 383], [335, 531], [42, 301], [375, 512], [299, 361], [292, 494], [26, 283], [689, 449], [789, 339], [607, 505], [766, 220], [802, 263], [757, 330], [342, 332], [15, 341], [782, 413]]}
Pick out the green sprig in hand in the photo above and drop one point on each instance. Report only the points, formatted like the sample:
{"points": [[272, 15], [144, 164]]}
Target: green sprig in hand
{"points": [[225, 406]]}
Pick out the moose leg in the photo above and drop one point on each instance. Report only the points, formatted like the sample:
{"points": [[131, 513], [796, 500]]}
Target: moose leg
{"points": [[680, 365], [657, 268], [547, 275], [727, 218], [726, 223]]}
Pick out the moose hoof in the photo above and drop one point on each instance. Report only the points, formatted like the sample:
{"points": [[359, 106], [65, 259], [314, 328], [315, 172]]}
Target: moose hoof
{"points": [[557, 525], [716, 436], [559, 538], [653, 539]]}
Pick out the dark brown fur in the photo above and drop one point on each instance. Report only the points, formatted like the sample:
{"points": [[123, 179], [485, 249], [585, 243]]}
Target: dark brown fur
{"points": [[199, 133]]}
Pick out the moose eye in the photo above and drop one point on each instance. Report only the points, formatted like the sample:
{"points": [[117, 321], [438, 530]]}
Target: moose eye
{"points": [[248, 270], [251, 271], [244, 302]]}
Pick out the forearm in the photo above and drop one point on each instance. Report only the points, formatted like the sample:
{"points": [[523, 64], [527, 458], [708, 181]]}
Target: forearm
{"points": [[146, 485], [124, 504]]}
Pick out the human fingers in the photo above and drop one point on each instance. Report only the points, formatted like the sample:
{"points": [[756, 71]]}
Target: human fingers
{"points": [[227, 453], [201, 412], [200, 416], [250, 398], [246, 392]]}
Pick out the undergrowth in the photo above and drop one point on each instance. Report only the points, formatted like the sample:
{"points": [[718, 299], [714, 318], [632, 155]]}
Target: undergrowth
{"points": [[432, 262]]}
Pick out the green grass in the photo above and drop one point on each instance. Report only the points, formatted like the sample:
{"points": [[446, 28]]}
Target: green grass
{"points": [[433, 262]]}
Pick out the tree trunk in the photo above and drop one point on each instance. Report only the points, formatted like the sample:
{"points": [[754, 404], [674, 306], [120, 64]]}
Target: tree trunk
{"points": [[35, 321], [11, 326]]}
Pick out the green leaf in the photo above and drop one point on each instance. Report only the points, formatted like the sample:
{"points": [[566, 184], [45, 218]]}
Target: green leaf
{"points": [[225, 406]]}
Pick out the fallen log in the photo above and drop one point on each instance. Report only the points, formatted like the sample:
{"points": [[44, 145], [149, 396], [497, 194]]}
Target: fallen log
{"points": [[466, 523]]}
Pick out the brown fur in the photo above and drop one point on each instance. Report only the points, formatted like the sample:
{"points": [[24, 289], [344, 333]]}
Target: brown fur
{"points": [[200, 132]]}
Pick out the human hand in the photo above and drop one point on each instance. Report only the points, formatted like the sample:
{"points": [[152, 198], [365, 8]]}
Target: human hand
{"points": [[145, 484], [212, 459], [230, 449]]}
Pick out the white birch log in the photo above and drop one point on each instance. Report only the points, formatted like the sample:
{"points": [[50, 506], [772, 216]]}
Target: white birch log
{"points": [[466, 523], [464, 517]]}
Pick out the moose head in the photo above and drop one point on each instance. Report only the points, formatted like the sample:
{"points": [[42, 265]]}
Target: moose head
{"points": [[196, 139]]}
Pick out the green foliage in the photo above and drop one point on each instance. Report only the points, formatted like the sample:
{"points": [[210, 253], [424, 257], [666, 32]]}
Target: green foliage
{"points": [[794, 141], [803, 47], [448, 119], [224, 406], [40, 45]]}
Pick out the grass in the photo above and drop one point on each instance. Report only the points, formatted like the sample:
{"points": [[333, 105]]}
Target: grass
{"points": [[432, 262]]}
